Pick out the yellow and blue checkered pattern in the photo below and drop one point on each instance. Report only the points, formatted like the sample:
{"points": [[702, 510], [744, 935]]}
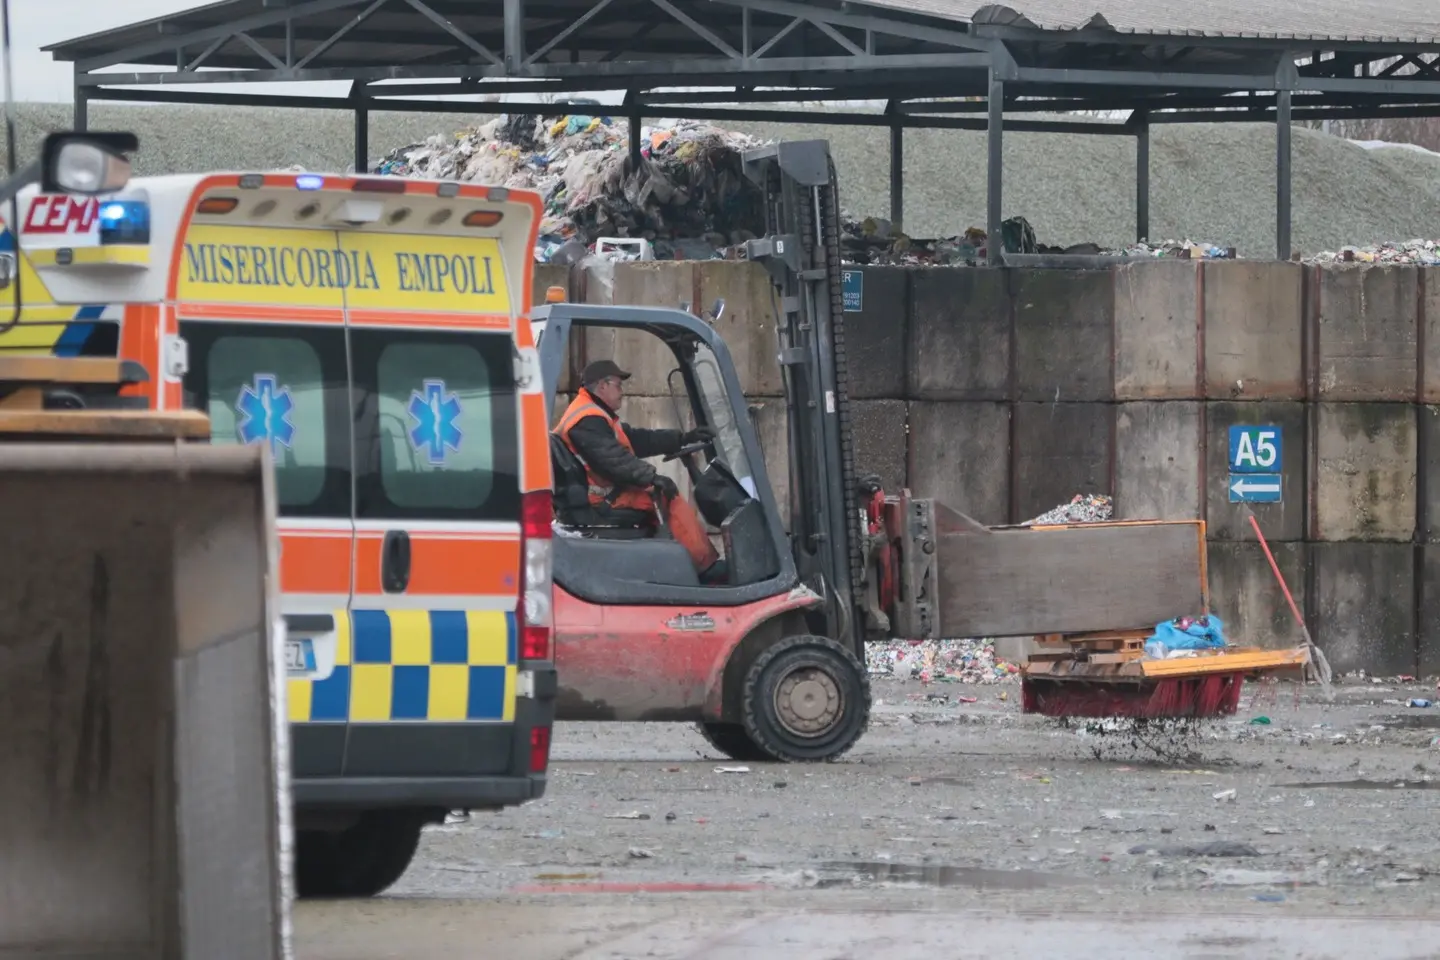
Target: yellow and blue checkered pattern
{"points": [[415, 665]]}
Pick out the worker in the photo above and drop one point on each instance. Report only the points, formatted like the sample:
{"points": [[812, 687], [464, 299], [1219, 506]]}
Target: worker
{"points": [[611, 451]]}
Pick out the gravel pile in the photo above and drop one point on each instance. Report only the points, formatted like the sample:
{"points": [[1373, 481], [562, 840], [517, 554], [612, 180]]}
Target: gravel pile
{"points": [[1214, 182]]}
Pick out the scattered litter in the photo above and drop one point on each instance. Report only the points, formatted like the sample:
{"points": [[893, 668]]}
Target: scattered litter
{"points": [[1407, 877], [1260, 721], [1215, 848], [632, 815], [947, 661], [1272, 831], [1419, 702], [1226, 795], [640, 853], [732, 769], [1269, 897]]}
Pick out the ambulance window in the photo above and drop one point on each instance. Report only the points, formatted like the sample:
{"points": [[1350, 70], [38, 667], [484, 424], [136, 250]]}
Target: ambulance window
{"points": [[436, 432], [262, 386]]}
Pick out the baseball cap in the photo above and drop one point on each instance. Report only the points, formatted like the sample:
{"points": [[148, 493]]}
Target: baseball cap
{"points": [[600, 369]]}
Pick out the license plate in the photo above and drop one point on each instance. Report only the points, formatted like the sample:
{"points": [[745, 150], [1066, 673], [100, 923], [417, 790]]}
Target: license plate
{"points": [[300, 656]]}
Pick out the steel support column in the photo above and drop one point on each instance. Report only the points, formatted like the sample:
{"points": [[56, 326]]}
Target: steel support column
{"points": [[82, 109], [1282, 176], [994, 242], [636, 120], [1142, 176], [362, 137], [897, 173]]}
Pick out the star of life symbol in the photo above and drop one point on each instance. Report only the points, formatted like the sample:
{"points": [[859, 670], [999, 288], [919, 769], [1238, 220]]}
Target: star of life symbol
{"points": [[435, 412], [265, 410]]}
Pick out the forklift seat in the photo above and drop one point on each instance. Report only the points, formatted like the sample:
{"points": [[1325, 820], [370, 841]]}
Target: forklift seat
{"points": [[573, 507]]}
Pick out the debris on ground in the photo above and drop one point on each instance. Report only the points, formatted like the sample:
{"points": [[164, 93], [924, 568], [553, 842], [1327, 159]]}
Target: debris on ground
{"points": [[876, 241], [1082, 508], [1425, 252], [689, 186], [948, 661]]}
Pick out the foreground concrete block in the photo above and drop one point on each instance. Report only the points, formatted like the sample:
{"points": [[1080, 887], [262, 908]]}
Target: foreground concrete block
{"points": [[959, 334], [1245, 594], [1063, 334], [1278, 521], [748, 324], [1364, 598], [1061, 449], [1157, 460], [1157, 317], [877, 337], [1428, 279], [880, 429], [960, 455], [1365, 332], [1252, 330], [1366, 472]]}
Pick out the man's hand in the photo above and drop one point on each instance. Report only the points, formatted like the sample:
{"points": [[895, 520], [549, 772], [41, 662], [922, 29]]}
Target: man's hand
{"points": [[696, 435], [665, 487]]}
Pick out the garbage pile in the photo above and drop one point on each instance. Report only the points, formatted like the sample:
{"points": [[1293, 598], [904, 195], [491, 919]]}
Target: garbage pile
{"points": [[946, 661], [689, 186], [1423, 252], [874, 241], [1082, 508]]}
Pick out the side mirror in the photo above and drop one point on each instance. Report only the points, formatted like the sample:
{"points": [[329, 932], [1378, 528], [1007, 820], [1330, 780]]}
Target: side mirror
{"points": [[86, 163]]}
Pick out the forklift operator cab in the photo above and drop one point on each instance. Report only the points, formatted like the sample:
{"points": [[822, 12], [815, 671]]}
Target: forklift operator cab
{"points": [[607, 555]]}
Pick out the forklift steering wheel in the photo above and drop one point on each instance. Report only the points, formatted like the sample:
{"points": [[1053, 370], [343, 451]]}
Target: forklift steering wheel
{"points": [[685, 451]]}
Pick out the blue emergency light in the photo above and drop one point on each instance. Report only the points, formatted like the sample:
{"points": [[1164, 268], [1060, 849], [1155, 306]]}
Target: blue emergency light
{"points": [[309, 181], [124, 221]]}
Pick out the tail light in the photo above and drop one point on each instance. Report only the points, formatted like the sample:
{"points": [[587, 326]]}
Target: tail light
{"points": [[539, 749], [534, 613]]}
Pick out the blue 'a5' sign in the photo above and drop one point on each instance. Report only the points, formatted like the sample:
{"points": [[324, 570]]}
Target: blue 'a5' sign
{"points": [[1255, 449]]}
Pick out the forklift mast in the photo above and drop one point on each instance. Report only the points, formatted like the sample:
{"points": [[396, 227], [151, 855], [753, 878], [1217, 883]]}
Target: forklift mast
{"points": [[801, 252]]}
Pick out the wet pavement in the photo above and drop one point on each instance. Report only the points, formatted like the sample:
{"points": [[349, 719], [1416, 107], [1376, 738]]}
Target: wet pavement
{"points": [[990, 824]]}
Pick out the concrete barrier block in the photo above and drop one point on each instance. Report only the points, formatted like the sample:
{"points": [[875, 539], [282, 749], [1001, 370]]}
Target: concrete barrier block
{"points": [[1245, 594], [1429, 639], [960, 455], [880, 429], [959, 334], [877, 337], [1064, 330], [1428, 297], [1364, 606], [1252, 330], [1365, 332], [768, 417], [748, 324], [1061, 449], [1366, 471], [1283, 521], [1157, 460], [644, 355], [1157, 316], [548, 275]]}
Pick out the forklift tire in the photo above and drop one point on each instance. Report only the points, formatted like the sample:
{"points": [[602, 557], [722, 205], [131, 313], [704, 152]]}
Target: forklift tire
{"points": [[732, 740], [361, 861], [806, 699]]}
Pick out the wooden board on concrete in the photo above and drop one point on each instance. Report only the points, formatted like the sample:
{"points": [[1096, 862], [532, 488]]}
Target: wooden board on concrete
{"points": [[1006, 581]]}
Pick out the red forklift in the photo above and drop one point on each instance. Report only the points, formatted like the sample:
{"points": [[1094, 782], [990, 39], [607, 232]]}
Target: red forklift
{"points": [[770, 661]]}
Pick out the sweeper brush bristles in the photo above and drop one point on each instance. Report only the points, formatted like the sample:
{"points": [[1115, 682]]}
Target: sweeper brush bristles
{"points": [[1214, 695]]}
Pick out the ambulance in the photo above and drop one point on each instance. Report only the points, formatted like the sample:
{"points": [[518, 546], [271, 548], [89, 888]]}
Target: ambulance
{"points": [[375, 333]]}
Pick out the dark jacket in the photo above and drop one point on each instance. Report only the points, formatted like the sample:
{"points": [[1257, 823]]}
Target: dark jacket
{"points": [[594, 438]]}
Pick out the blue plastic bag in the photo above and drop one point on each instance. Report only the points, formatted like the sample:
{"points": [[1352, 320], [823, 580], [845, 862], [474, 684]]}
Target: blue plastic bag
{"points": [[1186, 633]]}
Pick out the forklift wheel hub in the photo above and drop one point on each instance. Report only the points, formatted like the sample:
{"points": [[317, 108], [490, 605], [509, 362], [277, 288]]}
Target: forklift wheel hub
{"points": [[808, 701]]}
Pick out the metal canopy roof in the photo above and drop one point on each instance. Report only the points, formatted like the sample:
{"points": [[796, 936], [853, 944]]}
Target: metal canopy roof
{"points": [[937, 63]]}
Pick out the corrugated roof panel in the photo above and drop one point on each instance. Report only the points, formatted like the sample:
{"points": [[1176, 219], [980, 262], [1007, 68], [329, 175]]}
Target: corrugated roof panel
{"points": [[1394, 21]]}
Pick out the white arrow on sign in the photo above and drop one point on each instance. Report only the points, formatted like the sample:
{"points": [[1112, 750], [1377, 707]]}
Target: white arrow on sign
{"points": [[1243, 486]]}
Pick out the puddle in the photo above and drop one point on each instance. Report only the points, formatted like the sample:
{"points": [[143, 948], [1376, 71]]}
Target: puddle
{"points": [[938, 875], [1369, 785]]}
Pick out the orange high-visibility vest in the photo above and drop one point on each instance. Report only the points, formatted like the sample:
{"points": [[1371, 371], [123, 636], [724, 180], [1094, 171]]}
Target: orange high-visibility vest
{"points": [[584, 405]]}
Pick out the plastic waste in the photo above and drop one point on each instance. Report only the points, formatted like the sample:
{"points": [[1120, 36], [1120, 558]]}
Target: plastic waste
{"points": [[1185, 634]]}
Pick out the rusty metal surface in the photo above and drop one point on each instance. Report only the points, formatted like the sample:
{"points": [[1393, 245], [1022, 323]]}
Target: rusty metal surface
{"points": [[1021, 582]]}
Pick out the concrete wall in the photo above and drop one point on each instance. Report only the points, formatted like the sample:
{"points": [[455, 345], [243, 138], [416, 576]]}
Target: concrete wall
{"points": [[1003, 392]]}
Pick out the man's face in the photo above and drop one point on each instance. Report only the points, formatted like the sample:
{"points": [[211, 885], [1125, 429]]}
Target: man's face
{"points": [[610, 392]]}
